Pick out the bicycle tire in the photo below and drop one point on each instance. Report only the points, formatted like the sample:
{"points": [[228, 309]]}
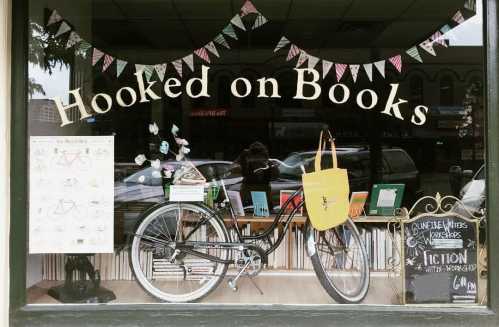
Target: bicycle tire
{"points": [[149, 283], [330, 280]]}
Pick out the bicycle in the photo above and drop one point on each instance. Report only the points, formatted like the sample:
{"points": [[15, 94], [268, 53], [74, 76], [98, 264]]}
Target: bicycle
{"points": [[191, 249]]}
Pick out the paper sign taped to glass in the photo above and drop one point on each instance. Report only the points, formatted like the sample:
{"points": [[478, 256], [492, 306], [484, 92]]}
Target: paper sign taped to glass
{"points": [[71, 193], [326, 191]]}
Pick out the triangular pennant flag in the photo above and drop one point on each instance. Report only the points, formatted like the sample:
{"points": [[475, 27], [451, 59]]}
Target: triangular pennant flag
{"points": [[293, 51], [326, 67], [437, 37], [458, 17], [160, 70], [201, 52], [83, 48], [354, 70], [340, 70], [428, 47], [73, 39], [108, 60], [236, 21], [396, 62], [446, 28], [281, 44], [259, 21], [148, 70], [312, 61], [248, 8], [302, 58], [229, 31], [221, 40], [177, 64], [120, 65], [63, 28], [369, 71], [210, 46], [139, 68], [470, 5], [380, 66], [414, 53], [54, 18], [189, 60], [97, 54]]}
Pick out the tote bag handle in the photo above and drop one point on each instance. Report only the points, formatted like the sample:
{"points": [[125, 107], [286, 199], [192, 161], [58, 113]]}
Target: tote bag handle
{"points": [[322, 145]]}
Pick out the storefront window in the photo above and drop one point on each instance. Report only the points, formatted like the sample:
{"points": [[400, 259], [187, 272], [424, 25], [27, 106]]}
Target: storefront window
{"points": [[173, 152]]}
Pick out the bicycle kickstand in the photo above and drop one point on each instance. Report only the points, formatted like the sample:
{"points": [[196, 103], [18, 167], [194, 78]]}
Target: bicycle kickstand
{"points": [[233, 281]]}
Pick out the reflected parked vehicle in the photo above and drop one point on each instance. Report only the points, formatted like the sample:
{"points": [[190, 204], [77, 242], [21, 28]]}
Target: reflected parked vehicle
{"points": [[397, 167], [144, 186]]}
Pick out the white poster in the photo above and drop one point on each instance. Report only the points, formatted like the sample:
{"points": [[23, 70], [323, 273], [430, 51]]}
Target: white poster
{"points": [[71, 193]]}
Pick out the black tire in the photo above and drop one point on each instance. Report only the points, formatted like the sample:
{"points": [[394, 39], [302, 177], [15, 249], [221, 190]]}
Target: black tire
{"points": [[134, 252], [327, 280]]}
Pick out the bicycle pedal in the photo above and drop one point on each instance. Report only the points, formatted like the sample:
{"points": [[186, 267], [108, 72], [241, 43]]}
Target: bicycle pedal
{"points": [[233, 286]]}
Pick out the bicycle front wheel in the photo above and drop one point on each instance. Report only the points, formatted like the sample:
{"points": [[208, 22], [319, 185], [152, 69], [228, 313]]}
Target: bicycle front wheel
{"points": [[340, 261], [162, 268]]}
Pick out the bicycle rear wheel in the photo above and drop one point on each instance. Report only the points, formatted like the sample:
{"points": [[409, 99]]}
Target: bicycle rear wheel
{"points": [[340, 261], [168, 273]]}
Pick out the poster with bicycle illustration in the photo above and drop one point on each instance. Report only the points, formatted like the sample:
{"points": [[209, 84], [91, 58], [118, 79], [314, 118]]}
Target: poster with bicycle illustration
{"points": [[71, 194]]}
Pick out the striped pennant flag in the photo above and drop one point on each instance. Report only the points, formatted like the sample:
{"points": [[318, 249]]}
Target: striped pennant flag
{"points": [[63, 28], [312, 61], [108, 60], [83, 48], [229, 31], [354, 70], [248, 8], [189, 60], [340, 70], [259, 21], [380, 66], [221, 40], [293, 51], [201, 53], [438, 38], [396, 62], [369, 71], [326, 67], [177, 64], [160, 70], [236, 21], [97, 54], [281, 44], [73, 39], [210, 46], [54, 18], [302, 58], [458, 17], [470, 5], [148, 71], [427, 46], [414, 53], [120, 65]]}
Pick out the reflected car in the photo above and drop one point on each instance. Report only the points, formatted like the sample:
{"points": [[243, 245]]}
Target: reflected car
{"points": [[397, 167], [473, 193], [143, 186]]}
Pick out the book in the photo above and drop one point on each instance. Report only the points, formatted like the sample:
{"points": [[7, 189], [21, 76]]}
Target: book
{"points": [[386, 198], [284, 195], [236, 203], [357, 203], [260, 204]]}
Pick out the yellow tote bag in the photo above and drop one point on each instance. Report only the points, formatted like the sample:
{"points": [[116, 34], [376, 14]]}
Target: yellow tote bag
{"points": [[326, 191]]}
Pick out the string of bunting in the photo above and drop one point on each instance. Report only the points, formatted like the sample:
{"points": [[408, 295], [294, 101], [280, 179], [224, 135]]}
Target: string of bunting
{"points": [[428, 45], [82, 47]]}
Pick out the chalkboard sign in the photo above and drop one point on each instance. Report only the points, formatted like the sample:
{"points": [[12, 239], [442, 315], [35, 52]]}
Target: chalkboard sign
{"points": [[440, 259]]}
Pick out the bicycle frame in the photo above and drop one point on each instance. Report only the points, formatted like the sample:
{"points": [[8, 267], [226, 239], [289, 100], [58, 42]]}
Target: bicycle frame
{"points": [[273, 225]]}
